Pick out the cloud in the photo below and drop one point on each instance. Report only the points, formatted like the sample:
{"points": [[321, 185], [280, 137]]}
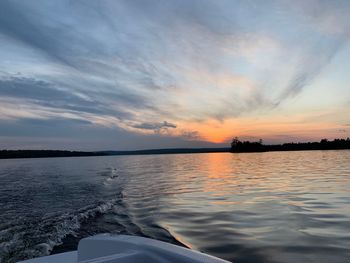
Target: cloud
{"points": [[326, 31], [190, 135], [155, 52], [128, 64], [54, 127], [155, 126], [45, 94], [310, 67], [74, 135], [23, 25]]}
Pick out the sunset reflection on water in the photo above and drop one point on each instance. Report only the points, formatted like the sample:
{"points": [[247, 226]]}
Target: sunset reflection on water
{"points": [[244, 207]]}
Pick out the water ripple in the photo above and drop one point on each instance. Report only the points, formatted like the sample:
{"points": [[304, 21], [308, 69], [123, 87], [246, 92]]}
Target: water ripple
{"points": [[254, 207]]}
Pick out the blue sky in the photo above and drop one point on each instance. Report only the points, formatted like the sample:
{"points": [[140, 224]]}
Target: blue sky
{"points": [[96, 75]]}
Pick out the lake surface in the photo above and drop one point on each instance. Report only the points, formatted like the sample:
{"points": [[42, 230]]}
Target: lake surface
{"points": [[246, 207]]}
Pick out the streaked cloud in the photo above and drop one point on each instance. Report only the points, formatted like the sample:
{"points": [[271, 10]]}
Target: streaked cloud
{"points": [[209, 67], [157, 127]]}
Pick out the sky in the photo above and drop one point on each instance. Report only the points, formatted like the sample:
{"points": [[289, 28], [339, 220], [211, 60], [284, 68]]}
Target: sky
{"points": [[137, 74]]}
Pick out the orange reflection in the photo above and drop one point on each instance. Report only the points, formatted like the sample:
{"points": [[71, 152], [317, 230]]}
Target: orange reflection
{"points": [[227, 176]]}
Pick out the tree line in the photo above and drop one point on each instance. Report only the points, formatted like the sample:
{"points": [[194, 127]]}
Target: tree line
{"points": [[258, 146], [11, 154]]}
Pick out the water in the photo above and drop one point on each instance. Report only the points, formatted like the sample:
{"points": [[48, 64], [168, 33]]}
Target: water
{"points": [[249, 207]]}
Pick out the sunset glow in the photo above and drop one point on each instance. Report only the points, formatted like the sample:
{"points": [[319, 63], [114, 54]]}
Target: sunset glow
{"points": [[133, 75]]}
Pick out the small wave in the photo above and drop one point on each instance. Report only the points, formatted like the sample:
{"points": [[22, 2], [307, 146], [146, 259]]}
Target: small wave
{"points": [[110, 176]]}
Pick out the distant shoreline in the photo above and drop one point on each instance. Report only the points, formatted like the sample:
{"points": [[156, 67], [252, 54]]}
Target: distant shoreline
{"points": [[24, 154]]}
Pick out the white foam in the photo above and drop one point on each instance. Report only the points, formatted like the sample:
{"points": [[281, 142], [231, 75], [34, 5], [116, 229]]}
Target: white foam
{"points": [[53, 229]]}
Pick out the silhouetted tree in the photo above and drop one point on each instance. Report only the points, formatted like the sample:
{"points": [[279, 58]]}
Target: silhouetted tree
{"points": [[324, 144], [246, 146]]}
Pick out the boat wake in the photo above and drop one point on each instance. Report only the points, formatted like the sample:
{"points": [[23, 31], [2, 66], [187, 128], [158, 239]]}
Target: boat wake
{"points": [[25, 238], [50, 220], [60, 232]]}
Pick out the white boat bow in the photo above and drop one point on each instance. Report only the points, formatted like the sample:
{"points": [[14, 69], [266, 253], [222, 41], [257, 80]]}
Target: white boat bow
{"points": [[109, 248]]}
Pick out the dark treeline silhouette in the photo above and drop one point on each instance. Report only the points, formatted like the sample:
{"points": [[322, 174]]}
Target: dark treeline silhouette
{"points": [[324, 144], [11, 154], [236, 146], [169, 151]]}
